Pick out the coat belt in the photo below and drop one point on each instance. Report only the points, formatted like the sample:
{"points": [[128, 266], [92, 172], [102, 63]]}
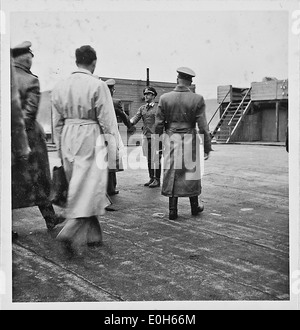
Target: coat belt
{"points": [[179, 125], [78, 121]]}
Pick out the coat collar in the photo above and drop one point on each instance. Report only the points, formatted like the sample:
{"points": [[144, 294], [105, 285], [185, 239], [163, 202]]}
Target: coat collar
{"points": [[181, 88], [81, 70], [150, 104], [21, 66]]}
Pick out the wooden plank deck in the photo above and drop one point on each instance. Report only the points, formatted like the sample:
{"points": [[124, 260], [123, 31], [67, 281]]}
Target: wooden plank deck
{"points": [[237, 250]]}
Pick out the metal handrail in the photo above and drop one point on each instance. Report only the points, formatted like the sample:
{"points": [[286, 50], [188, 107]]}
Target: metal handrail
{"points": [[237, 123], [238, 108], [218, 107], [221, 119]]}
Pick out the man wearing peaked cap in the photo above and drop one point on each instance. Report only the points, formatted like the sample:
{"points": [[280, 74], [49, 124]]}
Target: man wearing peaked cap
{"points": [[178, 114], [118, 103], [34, 185], [110, 82], [147, 113], [120, 114], [186, 73], [21, 49], [150, 90]]}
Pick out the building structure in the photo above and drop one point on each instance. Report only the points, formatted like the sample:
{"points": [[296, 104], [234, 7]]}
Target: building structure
{"points": [[258, 113]]}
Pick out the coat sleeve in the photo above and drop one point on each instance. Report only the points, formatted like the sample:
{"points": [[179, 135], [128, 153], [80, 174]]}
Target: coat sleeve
{"points": [[203, 126], [19, 141], [137, 117], [159, 118], [120, 113], [31, 100], [58, 122]]}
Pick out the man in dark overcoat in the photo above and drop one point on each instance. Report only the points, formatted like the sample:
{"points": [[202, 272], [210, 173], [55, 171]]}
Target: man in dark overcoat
{"points": [[179, 111], [20, 149], [31, 184]]}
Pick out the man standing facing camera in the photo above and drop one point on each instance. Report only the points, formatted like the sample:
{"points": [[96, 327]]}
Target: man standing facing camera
{"points": [[178, 113], [147, 114], [84, 121]]}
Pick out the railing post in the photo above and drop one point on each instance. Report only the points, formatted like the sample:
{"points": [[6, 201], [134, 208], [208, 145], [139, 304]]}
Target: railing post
{"points": [[218, 107]]}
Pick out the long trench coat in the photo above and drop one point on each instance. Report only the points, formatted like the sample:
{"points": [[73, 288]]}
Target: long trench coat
{"points": [[86, 130], [19, 141], [177, 115], [31, 182]]}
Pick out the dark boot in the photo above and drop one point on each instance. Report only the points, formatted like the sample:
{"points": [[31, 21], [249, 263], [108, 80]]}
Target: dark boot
{"points": [[49, 215], [150, 171], [149, 182], [173, 201], [195, 208], [111, 184], [155, 183]]}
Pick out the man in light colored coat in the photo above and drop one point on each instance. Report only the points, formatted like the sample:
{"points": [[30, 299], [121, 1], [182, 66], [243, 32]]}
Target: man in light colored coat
{"points": [[179, 111], [120, 113], [84, 121]]}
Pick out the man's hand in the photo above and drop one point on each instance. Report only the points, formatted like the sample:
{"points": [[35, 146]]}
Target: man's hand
{"points": [[131, 130]]}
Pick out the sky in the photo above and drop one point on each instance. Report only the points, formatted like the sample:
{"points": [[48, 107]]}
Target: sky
{"points": [[232, 47]]}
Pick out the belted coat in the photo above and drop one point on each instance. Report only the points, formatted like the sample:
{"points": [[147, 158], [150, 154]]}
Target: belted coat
{"points": [[178, 115], [31, 182], [84, 120]]}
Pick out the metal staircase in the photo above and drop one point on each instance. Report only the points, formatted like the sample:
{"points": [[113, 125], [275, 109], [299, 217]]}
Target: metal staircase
{"points": [[231, 118]]}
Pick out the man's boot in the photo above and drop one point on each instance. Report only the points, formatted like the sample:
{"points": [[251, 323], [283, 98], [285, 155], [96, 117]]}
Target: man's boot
{"points": [[173, 201], [151, 175], [195, 208], [49, 215], [149, 182], [155, 183]]}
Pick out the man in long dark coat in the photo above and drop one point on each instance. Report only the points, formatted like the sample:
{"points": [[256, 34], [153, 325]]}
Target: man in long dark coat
{"points": [[20, 149], [178, 113], [31, 184]]}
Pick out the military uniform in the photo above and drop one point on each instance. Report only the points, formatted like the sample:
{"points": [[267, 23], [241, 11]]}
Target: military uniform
{"points": [[178, 113], [147, 113], [31, 184]]}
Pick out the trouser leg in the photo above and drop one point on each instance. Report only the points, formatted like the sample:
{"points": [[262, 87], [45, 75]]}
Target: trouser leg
{"points": [[95, 232], [149, 161], [173, 202], [111, 183], [195, 208], [158, 167], [48, 214]]}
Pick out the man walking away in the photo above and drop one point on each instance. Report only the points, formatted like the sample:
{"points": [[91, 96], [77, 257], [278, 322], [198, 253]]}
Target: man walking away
{"points": [[84, 121], [32, 185], [178, 113]]}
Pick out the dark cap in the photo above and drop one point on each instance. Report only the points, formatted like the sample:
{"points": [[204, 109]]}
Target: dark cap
{"points": [[21, 49], [110, 82], [85, 55], [150, 90], [186, 73]]}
